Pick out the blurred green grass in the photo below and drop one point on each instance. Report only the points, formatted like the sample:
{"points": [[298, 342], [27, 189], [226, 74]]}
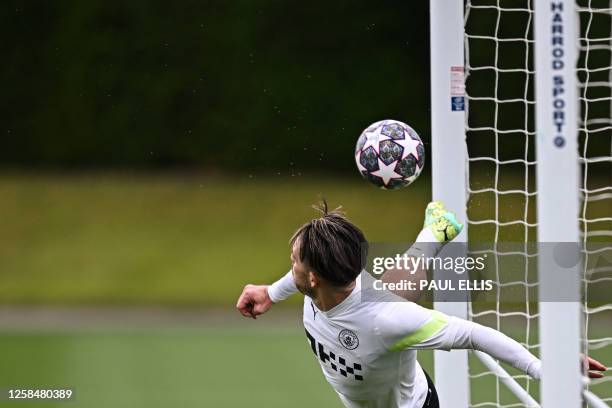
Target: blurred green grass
{"points": [[171, 239], [224, 367], [167, 368]]}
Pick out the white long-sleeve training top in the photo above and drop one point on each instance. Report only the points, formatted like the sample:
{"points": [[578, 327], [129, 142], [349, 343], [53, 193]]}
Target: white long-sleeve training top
{"points": [[368, 350]]}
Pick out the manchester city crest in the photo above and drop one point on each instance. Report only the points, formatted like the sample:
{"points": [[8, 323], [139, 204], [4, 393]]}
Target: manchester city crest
{"points": [[348, 339]]}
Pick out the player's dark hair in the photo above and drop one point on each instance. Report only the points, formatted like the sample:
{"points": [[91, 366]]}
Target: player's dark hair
{"points": [[332, 246]]}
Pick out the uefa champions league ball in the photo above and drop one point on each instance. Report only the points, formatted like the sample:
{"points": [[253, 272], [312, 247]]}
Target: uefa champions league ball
{"points": [[390, 154]]}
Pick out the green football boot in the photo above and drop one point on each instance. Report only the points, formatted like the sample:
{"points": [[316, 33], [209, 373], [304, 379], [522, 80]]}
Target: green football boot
{"points": [[442, 223]]}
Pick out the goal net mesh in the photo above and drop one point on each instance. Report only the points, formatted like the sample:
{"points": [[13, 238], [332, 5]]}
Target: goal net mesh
{"points": [[502, 192]]}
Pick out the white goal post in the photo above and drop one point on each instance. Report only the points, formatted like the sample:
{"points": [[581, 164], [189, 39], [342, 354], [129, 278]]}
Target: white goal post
{"points": [[448, 168], [556, 89], [521, 110]]}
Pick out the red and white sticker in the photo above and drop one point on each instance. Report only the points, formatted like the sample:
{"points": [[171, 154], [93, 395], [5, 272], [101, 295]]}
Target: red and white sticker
{"points": [[457, 82]]}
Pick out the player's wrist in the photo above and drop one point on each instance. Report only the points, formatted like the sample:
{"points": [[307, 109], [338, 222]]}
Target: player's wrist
{"points": [[282, 288], [428, 241], [425, 245], [270, 297], [536, 370]]}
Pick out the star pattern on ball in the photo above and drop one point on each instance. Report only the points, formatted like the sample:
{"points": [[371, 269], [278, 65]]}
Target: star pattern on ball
{"points": [[386, 172], [359, 165], [410, 146], [373, 139], [411, 178]]}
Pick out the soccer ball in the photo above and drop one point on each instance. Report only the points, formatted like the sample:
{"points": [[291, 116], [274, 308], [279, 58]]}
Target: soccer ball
{"points": [[390, 154]]}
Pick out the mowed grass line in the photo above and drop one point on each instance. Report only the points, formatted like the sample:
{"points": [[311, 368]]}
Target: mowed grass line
{"points": [[179, 239]]}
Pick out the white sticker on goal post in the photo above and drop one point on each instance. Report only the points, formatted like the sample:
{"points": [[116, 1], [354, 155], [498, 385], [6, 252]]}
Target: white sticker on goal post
{"points": [[457, 91]]}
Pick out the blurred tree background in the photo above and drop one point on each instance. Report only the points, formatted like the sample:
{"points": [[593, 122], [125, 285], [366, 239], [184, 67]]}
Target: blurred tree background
{"points": [[239, 85]]}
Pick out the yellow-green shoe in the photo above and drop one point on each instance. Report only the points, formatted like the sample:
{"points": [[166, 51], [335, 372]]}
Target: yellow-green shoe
{"points": [[442, 223]]}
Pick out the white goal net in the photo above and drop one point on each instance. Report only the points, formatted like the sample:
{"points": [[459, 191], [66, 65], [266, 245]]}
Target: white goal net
{"points": [[500, 131], [501, 186]]}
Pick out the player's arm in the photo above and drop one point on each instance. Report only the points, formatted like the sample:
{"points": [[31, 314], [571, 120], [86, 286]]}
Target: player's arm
{"points": [[258, 299], [409, 326], [439, 228], [464, 334]]}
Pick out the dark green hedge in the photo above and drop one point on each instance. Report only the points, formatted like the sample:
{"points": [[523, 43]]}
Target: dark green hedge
{"points": [[238, 84]]}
